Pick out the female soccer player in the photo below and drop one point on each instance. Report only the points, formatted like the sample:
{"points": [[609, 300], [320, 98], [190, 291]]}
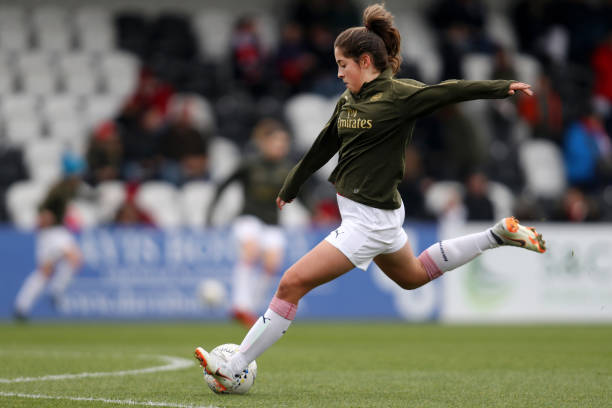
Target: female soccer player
{"points": [[370, 127], [261, 240]]}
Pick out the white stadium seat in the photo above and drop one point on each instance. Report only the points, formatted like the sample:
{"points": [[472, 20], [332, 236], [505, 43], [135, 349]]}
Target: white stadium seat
{"points": [[440, 194], [195, 198], [99, 108], [20, 131], [224, 158], [502, 198], [543, 167], [70, 133], [110, 196], [93, 28], [22, 200], [60, 107], [43, 159], [20, 105], [229, 205], [214, 30], [160, 200]]}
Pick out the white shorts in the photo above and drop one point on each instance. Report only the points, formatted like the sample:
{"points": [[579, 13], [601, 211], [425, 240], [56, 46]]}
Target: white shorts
{"points": [[366, 232], [251, 228], [52, 244]]}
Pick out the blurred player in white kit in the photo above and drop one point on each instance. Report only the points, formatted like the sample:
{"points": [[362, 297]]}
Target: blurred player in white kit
{"points": [[58, 257]]}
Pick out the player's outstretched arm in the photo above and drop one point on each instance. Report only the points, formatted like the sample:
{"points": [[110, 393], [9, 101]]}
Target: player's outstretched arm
{"points": [[520, 86]]}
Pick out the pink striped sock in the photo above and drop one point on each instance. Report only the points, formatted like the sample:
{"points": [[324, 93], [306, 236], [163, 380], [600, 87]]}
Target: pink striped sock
{"points": [[430, 266], [283, 308]]}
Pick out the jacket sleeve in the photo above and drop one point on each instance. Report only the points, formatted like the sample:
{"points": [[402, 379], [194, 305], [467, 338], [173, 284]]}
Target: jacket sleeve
{"points": [[321, 151], [417, 100], [238, 175]]}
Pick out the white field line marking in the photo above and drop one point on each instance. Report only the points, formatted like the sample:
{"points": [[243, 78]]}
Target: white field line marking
{"points": [[104, 400], [172, 363]]}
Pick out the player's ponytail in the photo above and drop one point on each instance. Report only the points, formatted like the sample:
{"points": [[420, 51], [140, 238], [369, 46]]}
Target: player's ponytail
{"points": [[378, 37]]}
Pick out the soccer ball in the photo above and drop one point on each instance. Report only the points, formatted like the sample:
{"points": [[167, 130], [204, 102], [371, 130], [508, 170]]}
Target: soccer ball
{"points": [[247, 378], [211, 292]]}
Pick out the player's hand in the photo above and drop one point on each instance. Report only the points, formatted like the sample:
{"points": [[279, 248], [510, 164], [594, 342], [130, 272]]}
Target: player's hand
{"points": [[520, 86], [280, 203]]}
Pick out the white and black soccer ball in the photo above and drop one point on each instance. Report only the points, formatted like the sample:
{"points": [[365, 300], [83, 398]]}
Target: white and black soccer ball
{"points": [[243, 384], [212, 292]]}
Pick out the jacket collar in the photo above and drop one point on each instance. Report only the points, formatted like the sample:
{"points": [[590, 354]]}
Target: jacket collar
{"points": [[368, 87]]}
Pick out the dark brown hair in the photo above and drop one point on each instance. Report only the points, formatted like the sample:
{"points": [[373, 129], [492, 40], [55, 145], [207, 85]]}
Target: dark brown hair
{"points": [[378, 38]]}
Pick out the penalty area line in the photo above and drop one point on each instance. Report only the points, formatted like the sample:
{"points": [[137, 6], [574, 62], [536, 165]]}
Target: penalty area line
{"points": [[103, 400]]}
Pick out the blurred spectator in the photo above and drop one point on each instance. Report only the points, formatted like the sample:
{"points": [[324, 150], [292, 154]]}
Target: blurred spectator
{"points": [[477, 203], [543, 111], [575, 206], [12, 169], [129, 213], [294, 62], [326, 213], [335, 15], [460, 25], [248, 59], [413, 185], [588, 152], [601, 62], [104, 154], [184, 143]]}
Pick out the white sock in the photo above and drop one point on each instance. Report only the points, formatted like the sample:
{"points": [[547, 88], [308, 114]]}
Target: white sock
{"points": [[61, 278], [242, 287], [449, 254], [264, 333], [30, 290]]}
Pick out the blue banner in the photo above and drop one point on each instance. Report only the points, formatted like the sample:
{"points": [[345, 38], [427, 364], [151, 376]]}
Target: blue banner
{"points": [[154, 274]]}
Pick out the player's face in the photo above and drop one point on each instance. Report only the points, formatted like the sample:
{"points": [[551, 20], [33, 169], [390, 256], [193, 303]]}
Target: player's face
{"points": [[349, 71], [45, 219], [276, 145]]}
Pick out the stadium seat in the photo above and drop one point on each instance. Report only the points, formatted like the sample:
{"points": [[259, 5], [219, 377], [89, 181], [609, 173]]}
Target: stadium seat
{"points": [[195, 198], [294, 215], [110, 196], [20, 130], [502, 198], [160, 199], [476, 66], [43, 159], [419, 44], [543, 167], [119, 71], [39, 83], [23, 199], [93, 28], [14, 32], [196, 106], [81, 83], [229, 205], [76, 63], [19, 106], [499, 28], [59, 107], [224, 158], [440, 194], [307, 114], [69, 132], [527, 68], [99, 108], [214, 29]]}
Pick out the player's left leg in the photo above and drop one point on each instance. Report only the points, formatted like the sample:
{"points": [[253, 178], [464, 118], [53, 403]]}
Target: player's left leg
{"points": [[31, 289], [62, 277], [322, 264]]}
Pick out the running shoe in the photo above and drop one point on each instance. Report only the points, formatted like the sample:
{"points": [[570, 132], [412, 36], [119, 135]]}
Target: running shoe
{"points": [[508, 231]]}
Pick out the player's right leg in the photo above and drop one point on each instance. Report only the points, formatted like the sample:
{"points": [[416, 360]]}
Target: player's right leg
{"points": [[322, 264], [411, 272]]}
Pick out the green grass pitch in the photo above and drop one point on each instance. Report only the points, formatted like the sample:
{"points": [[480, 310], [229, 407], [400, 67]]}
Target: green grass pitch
{"points": [[314, 365]]}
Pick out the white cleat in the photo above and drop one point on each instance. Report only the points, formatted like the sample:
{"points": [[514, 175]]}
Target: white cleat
{"points": [[510, 232], [215, 368]]}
